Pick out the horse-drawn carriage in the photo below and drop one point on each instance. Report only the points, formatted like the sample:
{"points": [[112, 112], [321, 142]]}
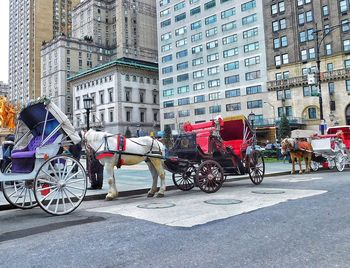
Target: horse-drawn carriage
{"points": [[41, 171], [206, 153], [332, 149]]}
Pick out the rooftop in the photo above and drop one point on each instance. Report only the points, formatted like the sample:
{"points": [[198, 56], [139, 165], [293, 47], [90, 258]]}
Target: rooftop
{"points": [[126, 62]]}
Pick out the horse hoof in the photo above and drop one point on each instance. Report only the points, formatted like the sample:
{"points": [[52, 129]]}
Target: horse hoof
{"points": [[150, 195], [300, 172], [108, 198], [292, 172], [159, 195]]}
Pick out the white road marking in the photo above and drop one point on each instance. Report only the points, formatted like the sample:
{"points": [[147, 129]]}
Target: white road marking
{"points": [[299, 179], [190, 209]]}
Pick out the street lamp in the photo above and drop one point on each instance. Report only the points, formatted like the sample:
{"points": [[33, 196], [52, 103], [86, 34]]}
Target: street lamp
{"points": [[324, 32], [88, 106], [251, 118]]}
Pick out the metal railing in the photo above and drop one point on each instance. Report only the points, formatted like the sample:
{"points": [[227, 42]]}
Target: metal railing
{"points": [[302, 80], [275, 121]]}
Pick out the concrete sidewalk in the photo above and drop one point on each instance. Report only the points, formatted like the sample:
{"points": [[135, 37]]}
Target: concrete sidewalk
{"points": [[133, 180]]}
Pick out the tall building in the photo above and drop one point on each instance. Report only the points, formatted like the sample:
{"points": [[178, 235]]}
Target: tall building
{"points": [[31, 23], [211, 59], [290, 28], [64, 57], [126, 27]]}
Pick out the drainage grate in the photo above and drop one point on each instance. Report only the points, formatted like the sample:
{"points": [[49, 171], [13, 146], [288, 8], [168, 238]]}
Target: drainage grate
{"points": [[222, 201], [268, 192], [156, 205]]}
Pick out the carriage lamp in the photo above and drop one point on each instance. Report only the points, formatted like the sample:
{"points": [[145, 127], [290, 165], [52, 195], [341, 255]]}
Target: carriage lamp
{"points": [[251, 118], [87, 106]]}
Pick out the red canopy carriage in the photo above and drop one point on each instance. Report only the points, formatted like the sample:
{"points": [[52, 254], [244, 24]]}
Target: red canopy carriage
{"points": [[206, 153]]}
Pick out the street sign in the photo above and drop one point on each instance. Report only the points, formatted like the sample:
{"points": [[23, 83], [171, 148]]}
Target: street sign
{"points": [[311, 79]]}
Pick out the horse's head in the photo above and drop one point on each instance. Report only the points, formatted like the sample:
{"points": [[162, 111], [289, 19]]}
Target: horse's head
{"points": [[286, 144]]}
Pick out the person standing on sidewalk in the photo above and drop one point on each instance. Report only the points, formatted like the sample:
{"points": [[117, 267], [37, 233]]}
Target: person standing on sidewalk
{"points": [[95, 170]]}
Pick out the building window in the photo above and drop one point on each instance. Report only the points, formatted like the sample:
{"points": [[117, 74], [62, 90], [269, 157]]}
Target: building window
{"points": [[232, 93], [199, 98], [250, 33], [199, 111], [198, 86], [142, 117], [210, 4], [231, 66], [195, 10], [214, 96], [347, 84], [183, 101], [228, 13], [284, 94], [346, 44], [196, 37], [231, 79], [343, 5], [168, 92], [312, 113], [128, 116], [184, 113], [249, 19], [215, 109], [110, 94], [183, 89], [214, 83], [253, 90], [254, 104], [210, 20], [111, 116], [310, 91], [331, 88], [167, 104], [233, 106], [325, 11], [248, 5], [127, 95], [252, 75], [142, 96], [169, 115], [101, 97]]}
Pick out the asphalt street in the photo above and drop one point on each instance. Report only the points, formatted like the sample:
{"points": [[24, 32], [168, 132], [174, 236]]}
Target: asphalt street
{"points": [[287, 221]]}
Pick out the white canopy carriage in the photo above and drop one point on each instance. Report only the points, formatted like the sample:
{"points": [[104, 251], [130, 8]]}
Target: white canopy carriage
{"points": [[332, 149], [42, 171]]}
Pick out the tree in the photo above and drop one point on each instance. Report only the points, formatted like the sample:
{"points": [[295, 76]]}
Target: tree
{"points": [[284, 128], [168, 137], [127, 133]]}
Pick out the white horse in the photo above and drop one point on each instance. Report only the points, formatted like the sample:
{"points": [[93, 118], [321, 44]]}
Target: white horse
{"points": [[135, 152]]}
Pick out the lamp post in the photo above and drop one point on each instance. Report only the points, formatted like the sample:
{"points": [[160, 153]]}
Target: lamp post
{"points": [[324, 33], [87, 106], [251, 118]]}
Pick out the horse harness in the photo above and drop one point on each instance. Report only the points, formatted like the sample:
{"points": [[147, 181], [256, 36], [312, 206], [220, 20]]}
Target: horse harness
{"points": [[121, 149]]}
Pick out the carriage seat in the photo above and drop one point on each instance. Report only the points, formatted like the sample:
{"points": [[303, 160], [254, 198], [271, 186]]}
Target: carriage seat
{"points": [[235, 145], [202, 139], [23, 159]]}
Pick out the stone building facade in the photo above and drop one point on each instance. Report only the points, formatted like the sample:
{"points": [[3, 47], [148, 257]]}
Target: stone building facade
{"points": [[64, 57], [291, 59], [125, 95]]}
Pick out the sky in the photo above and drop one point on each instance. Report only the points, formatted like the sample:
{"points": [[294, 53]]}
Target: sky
{"points": [[4, 39]]}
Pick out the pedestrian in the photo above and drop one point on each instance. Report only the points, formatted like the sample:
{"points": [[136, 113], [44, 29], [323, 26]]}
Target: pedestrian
{"points": [[95, 170]]}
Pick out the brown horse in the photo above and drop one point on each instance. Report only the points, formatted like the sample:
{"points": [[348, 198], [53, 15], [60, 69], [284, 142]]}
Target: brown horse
{"points": [[298, 150]]}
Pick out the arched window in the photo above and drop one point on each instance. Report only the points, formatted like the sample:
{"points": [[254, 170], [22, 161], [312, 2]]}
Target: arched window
{"points": [[311, 113], [347, 115]]}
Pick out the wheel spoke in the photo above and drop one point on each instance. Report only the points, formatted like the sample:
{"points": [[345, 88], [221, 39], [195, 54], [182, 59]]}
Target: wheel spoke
{"points": [[50, 193], [53, 178], [70, 201], [47, 207]]}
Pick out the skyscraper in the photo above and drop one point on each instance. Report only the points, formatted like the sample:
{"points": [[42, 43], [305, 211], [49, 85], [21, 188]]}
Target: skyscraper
{"points": [[211, 59], [33, 22]]}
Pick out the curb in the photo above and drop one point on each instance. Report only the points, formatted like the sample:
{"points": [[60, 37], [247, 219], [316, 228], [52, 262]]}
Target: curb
{"points": [[172, 187], [145, 190]]}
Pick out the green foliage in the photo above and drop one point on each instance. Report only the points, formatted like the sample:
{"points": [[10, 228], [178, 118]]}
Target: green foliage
{"points": [[284, 128], [127, 133], [168, 137]]}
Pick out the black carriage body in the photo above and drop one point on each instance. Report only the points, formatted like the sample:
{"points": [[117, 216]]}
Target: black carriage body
{"points": [[206, 153]]}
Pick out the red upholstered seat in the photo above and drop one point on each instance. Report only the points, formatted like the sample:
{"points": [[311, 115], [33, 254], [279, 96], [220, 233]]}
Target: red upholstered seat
{"points": [[236, 146], [202, 139]]}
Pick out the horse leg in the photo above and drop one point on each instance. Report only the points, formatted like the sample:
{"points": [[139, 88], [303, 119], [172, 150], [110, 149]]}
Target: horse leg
{"points": [[300, 165], [293, 163], [154, 174], [108, 171], [157, 163], [306, 160]]}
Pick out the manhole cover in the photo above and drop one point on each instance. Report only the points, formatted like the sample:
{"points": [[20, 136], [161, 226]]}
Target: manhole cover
{"points": [[268, 192], [222, 201], [156, 205]]}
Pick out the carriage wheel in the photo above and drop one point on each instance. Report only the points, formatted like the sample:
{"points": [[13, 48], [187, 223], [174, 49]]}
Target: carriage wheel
{"points": [[256, 167], [19, 194], [60, 185], [331, 163], [185, 181], [314, 165], [339, 161], [209, 176]]}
